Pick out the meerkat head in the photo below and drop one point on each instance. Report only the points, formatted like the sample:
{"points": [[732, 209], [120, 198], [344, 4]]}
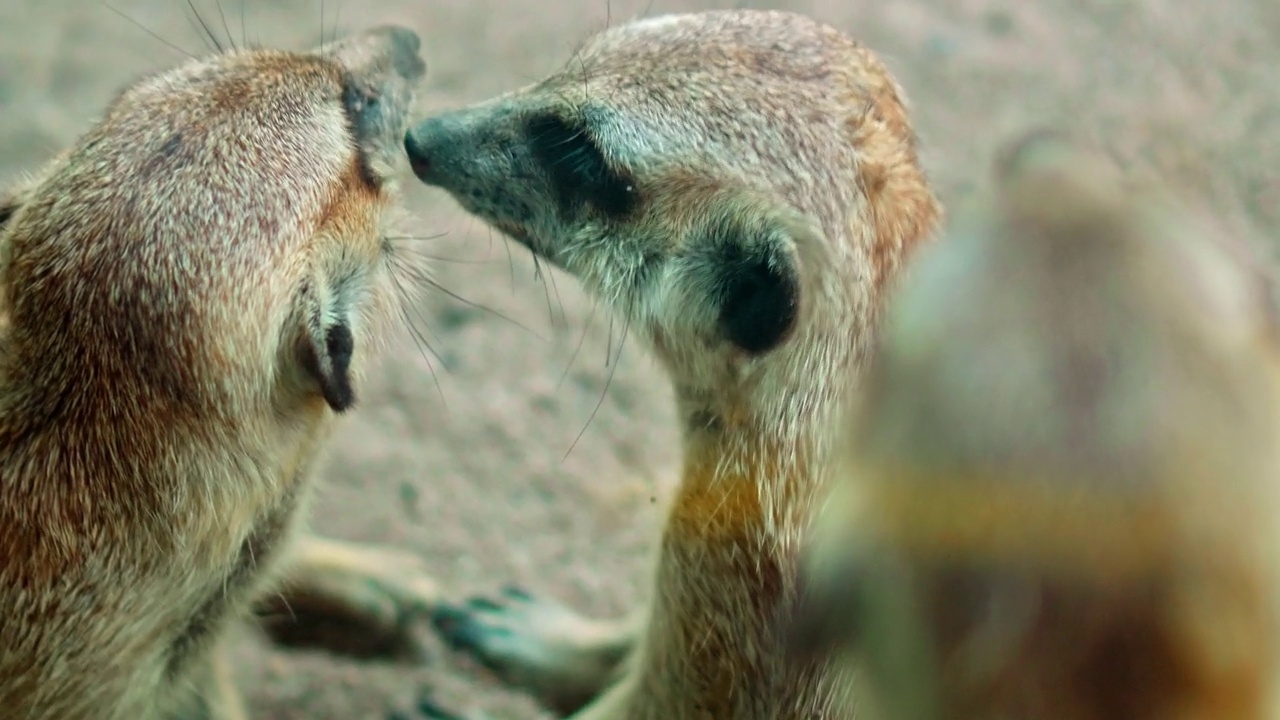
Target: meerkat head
{"points": [[714, 176], [1062, 471], [218, 231]]}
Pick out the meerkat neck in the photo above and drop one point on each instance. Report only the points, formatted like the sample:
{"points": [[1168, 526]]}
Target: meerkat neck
{"points": [[755, 468]]}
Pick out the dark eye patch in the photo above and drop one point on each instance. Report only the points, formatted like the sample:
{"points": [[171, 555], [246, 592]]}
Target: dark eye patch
{"points": [[578, 171]]}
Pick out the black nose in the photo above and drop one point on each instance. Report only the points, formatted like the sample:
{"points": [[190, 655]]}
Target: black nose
{"points": [[422, 144]]}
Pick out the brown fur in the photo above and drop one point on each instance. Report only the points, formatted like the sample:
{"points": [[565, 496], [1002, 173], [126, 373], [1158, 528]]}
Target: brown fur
{"points": [[180, 283], [1060, 497], [752, 189]]}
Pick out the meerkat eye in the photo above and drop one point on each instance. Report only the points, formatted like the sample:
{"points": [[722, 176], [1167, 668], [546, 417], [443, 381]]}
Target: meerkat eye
{"points": [[579, 173]]}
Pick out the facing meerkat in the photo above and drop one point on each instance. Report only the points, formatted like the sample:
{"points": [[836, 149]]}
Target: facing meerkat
{"points": [[193, 289], [1060, 497], [741, 187]]}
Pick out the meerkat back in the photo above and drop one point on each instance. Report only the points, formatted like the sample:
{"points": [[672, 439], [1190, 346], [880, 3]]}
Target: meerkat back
{"points": [[1060, 499], [190, 292]]}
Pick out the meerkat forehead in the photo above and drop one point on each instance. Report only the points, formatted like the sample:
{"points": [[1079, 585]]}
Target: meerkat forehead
{"points": [[259, 135], [217, 217], [768, 99], [717, 176], [247, 148]]}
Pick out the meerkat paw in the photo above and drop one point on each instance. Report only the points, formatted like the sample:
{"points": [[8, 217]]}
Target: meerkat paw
{"points": [[560, 656], [363, 600]]}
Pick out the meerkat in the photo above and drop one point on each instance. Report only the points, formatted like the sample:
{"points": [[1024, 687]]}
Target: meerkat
{"points": [[193, 290], [1058, 497], [741, 187]]}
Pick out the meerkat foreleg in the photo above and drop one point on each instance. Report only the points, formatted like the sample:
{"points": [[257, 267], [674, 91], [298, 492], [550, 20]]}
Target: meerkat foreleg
{"points": [[362, 598]]}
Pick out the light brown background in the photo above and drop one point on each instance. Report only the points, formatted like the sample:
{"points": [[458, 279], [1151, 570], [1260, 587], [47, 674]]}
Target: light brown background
{"points": [[470, 468]]}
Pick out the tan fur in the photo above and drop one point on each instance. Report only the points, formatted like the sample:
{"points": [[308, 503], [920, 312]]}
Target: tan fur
{"points": [[762, 189], [173, 282], [1059, 501]]}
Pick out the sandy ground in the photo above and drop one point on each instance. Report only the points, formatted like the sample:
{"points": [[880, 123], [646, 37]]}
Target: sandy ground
{"points": [[465, 458]]}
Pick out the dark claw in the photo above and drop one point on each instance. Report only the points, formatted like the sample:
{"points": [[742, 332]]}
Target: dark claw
{"points": [[445, 616], [428, 708], [460, 631], [516, 592], [484, 604], [455, 625]]}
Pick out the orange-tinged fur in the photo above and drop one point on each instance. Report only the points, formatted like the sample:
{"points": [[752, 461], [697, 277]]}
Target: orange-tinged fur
{"points": [[191, 291], [1058, 499], [742, 188]]}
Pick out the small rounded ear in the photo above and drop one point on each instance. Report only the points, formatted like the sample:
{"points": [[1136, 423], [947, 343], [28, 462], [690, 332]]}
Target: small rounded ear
{"points": [[758, 281]]}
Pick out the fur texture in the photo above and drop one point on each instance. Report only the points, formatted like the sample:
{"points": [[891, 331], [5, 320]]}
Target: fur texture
{"points": [[1058, 500], [194, 288], [741, 187]]}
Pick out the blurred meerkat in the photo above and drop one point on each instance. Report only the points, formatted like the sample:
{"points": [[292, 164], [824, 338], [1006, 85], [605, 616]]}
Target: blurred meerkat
{"points": [[741, 187], [1059, 499], [192, 291]]}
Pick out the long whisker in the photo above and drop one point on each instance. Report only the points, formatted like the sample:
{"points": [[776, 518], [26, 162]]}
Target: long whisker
{"points": [[605, 391], [226, 29], [145, 29], [417, 275], [405, 308], [511, 261], [337, 10], [436, 236], [595, 305], [208, 32], [555, 290], [538, 275]]}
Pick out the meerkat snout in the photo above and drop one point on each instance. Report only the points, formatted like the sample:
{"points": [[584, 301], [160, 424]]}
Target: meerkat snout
{"points": [[420, 145], [692, 259], [445, 144]]}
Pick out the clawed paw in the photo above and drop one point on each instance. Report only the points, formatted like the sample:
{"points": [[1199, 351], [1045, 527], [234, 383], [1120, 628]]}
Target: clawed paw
{"points": [[497, 632], [540, 646]]}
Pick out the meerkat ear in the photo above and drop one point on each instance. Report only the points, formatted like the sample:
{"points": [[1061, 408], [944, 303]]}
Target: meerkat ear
{"points": [[326, 356], [759, 283]]}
